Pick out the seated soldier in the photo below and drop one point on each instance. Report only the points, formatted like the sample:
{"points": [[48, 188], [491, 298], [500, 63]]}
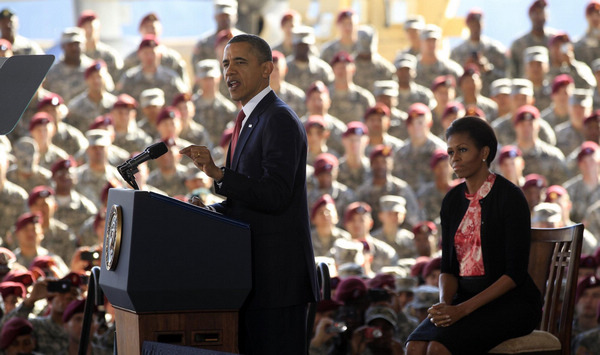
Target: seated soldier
{"points": [[391, 214], [426, 239], [324, 218], [377, 336], [534, 188], [13, 294], [425, 297], [587, 301], [17, 337], [588, 342], [26, 171], [431, 272]]}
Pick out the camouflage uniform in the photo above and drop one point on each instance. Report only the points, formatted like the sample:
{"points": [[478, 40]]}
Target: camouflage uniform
{"points": [[293, 96], [205, 47], [587, 48], [134, 81], [82, 111], [518, 47], [40, 251], [13, 200], [214, 115], [430, 200], [327, 250], [550, 116], [587, 343], [341, 194], [579, 71], [25, 46], [70, 139], [196, 134], [427, 73], [487, 105], [353, 178], [86, 236], [68, 81], [110, 56], [505, 130], [383, 254], [398, 124], [371, 194], [389, 141], [74, 209], [53, 154], [36, 177], [493, 50], [59, 239], [592, 219], [401, 241], [336, 128], [135, 140], [582, 197], [172, 185], [350, 105], [567, 137], [170, 58], [416, 93], [303, 74], [90, 183], [369, 71], [329, 50], [50, 337], [411, 164], [547, 161]]}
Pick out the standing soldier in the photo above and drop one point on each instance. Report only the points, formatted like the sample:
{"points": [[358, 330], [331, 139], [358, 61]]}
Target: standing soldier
{"points": [[354, 164], [562, 61], [429, 64], [94, 48], [127, 133], [289, 20], [12, 199], [409, 91], [326, 175], [290, 94], [66, 136], [42, 129], [26, 171], [9, 26], [347, 25], [191, 130], [392, 212], [536, 70], [304, 68], [587, 48], [570, 134], [386, 92], [370, 65]]}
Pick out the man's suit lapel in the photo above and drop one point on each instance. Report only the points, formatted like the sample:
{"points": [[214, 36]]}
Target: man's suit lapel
{"points": [[251, 126]]}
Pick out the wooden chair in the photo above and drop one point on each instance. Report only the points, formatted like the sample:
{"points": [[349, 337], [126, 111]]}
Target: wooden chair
{"points": [[554, 257]]}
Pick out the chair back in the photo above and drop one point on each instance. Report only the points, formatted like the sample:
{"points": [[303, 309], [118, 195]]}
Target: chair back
{"points": [[554, 259]]}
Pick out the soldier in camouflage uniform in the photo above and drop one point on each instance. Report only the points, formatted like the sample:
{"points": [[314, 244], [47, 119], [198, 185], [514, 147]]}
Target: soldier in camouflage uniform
{"points": [[289, 20], [41, 129], [521, 94], [66, 76], [290, 94], [480, 46], [595, 66], [169, 176], [169, 58], [587, 48], [226, 19], [347, 24], [381, 182], [377, 120], [348, 101], [304, 68], [413, 26], [73, 208], [538, 36], [191, 130], [569, 135], [50, 335], [22, 127], [94, 101], [562, 61], [470, 85], [370, 65], [587, 342], [584, 189], [318, 103], [150, 74], [127, 133], [540, 157], [12, 198], [94, 48], [168, 125], [558, 111], [214, 111], [151, 103], [409, 91], [354, 165], [392, 211], [586, 306], [317, 133], [431, 194], [536, 70], [27, 172], [58, 237], [116, 155], [326, 175], [9, 26], [411, 161], [386, 92], [93, 175], [444, 92], [429, 64], [324, 218]]}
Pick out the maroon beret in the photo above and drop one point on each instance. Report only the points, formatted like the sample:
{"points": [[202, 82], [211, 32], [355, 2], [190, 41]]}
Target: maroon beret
{"points": [[149, 41], [534, 180], [63, 164], [182, 97], [379, 109], [587, 148], [73, 308], [526, 113], [592, 6], [50, 99], [433, 264], [558, 38], [168, 112], [586, 261], [350, 289], [357, 207], [383, 281], [346, 13], [151, 17], [380, 150], [443, 80], [37, 192], [538, 4], [355, 127], [424, 227], [277, 56], [555, 192], [560, 81], [322, 201], [474, 14], [325, 162], [13, 328], [85, 16], [100, 121], [509, 151], [342, 57], [417, 109], [452, 108], [328, 305], [438, 156], [289, 15], [40, 118], [315, 120], [12, 288], [587, 282], [96, 66], [126, 101], [317, 86], [21, 276]]}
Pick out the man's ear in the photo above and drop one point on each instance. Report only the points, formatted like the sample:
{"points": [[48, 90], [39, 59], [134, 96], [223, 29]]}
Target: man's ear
{"points": [[267, 69]]}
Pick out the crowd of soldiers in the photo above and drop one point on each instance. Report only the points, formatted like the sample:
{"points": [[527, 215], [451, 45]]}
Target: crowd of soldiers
{"points": [[377, 164]]}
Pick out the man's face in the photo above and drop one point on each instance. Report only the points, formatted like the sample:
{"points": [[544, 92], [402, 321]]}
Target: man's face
{"points": [[359, 225], [593, 19], [475, 26], [315, 135], [41, 133], [380, 167], [422, 243], [538, 17], [44, 205], [404, 75], [224, 21], [92, 29], [148, 56], [343, 70], [346, 26], [418, 127], [589, 164], [588, 302], [535, 71], [74, 326], [121, 116], [9, 26], [23, 344], [60, 301], [512, 167], [169, 128], [325, 179], [443, 94], [527, 131], [318, 102], [95, 81], [30, 235], [354, 144], [244, 74], [97, 154], [151, 28], [377, 124], [326, 215], [533, 195], [72, 50]]}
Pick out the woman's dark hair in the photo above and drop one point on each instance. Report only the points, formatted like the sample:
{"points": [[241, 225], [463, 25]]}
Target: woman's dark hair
{"points": [[260, 47], [479, 131]]}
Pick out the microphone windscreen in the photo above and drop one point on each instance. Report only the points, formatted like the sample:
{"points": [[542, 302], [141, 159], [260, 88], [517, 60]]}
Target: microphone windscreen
{"points": [[157, 149]]}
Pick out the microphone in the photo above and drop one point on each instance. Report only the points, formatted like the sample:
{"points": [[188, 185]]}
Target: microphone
{"points": [[130, 167]]}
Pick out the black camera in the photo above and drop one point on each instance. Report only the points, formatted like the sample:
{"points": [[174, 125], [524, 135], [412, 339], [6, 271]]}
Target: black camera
{"points": [[60, 286], [90, 255]]}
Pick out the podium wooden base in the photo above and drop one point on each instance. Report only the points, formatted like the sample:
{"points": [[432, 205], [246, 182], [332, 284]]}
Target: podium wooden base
{"points": [[214, 330]]}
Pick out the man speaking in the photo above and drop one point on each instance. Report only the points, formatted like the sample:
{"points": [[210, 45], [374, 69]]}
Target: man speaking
{"points": [[264, 180]]}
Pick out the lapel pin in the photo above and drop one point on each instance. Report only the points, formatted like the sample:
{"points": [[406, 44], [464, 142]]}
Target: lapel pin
{"points": [[250, 125]]}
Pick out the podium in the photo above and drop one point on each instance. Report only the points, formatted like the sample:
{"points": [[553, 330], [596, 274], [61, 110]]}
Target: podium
{"points": [[175, 273]]}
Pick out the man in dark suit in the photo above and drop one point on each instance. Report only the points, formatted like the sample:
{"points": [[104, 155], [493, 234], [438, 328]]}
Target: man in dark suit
{"points": [[264, 180]]}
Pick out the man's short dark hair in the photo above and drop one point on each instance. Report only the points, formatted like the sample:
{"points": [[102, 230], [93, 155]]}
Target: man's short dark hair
{"points": [[260, 47], [480, 132]]}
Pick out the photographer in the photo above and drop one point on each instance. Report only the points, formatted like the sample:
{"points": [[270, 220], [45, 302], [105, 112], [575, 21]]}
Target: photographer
{"points": [[325, 328], [48, 330], [377, 337]]}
